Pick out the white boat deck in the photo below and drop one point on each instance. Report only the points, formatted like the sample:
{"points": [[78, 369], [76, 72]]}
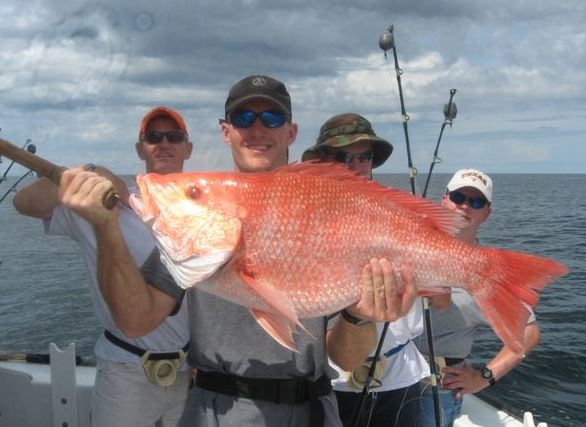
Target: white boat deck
{"points": [[28, 397]]}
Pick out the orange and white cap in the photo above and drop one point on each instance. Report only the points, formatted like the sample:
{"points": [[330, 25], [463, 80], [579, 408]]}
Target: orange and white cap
{"points": [[162, 111]]}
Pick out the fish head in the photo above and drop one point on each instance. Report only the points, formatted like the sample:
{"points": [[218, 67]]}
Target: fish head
{"points": [[195, 223]]}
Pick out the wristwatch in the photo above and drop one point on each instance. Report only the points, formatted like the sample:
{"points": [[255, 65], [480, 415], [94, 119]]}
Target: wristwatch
{"points": [[487, 375], [353, 319]]}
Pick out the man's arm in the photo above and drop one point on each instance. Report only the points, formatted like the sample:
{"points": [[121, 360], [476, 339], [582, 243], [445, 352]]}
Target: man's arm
{"points": [[469, 380], [386, 296], [137, 308], [37, 200]]}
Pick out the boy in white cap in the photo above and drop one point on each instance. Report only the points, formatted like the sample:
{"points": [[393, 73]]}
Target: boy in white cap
{"points": [[456, 317]]}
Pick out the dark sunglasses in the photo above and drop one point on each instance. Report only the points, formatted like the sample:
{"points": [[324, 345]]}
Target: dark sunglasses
{"points": [[245, 118], [474, 202], [347, 158], [155, 137]]}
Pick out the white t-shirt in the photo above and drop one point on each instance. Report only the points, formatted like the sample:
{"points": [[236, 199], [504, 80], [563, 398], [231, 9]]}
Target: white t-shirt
{"points": [[171, 335], [403, 368]]}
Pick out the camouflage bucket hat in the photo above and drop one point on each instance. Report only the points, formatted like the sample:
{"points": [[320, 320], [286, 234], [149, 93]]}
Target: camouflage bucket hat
{"points": [[347, 129]]}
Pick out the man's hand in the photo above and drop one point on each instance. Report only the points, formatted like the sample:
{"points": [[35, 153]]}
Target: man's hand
{"points": [[466, 379], [387, 293], [83, 192]]}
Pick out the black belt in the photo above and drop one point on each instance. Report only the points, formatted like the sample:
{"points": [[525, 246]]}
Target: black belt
{"points": [[451, 361], [139, 351], [289, 391]]}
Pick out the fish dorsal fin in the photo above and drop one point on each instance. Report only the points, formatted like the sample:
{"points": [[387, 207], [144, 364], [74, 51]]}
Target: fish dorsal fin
{"points": [[317, 168], [436, 215], [433, 213]]}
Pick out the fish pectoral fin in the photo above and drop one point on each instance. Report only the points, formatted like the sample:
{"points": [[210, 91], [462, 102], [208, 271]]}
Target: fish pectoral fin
{"points": [[277, 299], [277, 326]]}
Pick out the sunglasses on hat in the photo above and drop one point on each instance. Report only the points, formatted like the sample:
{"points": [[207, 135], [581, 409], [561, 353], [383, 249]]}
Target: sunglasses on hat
{"points": [[474, 202], [155, 137], [245, 118]]}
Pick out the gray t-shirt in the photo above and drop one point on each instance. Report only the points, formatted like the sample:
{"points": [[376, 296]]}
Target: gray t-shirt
{"points": [[454, 328], [226, 338]]}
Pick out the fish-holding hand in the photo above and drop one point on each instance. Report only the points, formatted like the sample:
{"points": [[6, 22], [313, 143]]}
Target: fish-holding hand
{"points": [[387, 293]]}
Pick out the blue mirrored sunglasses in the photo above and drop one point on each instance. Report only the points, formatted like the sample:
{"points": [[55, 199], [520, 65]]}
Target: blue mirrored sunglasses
{"points": [[474, 202], [347, 158], [245, 118], [155, 137]]}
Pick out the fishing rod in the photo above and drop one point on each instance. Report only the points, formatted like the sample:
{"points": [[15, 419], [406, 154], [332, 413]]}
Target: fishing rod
{"points": [[39, 358], [31, 148], [369, 378], [387, 42], [450, 111], [45, 168]]}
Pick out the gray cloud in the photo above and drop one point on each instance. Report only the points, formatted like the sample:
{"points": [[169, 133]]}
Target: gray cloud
{"points": [[77, 76]]}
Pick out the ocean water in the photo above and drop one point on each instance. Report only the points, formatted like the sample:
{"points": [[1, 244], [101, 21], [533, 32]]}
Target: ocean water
{"points": [[44, 299]]}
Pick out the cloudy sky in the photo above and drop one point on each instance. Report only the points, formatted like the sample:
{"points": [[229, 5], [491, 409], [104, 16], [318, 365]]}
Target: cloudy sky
{"points": [[76, 77]]}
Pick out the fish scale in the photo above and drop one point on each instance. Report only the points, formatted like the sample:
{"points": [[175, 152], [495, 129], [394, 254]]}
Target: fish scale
{"points": [[292, 243]]}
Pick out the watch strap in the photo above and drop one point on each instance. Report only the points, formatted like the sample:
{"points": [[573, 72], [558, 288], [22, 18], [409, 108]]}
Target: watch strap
{"points": [[488, 375], [353, 319]]}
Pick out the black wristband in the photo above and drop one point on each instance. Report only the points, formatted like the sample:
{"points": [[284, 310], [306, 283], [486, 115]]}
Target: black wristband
{"points": [[353, 319]]}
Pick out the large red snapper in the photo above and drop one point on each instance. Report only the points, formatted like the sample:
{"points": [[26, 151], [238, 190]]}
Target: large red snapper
{"points": [[292, 243]]}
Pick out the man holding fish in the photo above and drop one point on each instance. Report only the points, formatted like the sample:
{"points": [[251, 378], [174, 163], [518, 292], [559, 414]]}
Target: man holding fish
{"points": [[244, 377]]}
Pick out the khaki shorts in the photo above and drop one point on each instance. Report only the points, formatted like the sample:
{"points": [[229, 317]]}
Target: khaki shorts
{"points": [[123, 396]]}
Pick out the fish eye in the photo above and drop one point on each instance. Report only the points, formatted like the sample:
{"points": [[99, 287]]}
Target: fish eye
{"points": [[192, 192]]}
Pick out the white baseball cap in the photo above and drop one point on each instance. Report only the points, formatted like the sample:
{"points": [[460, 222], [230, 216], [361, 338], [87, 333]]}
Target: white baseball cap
{"points": [[472, 178]]}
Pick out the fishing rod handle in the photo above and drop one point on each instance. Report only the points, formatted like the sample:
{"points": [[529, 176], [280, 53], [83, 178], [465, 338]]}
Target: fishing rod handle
{"points": [[46, 168]]}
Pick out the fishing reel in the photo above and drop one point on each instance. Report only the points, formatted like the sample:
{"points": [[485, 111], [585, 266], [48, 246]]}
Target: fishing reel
{"points": [[162, 372], [31, 148], [358, 376]]}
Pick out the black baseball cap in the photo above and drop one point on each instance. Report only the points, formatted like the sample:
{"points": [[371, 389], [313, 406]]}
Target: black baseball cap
{"points": [[258, 87]]}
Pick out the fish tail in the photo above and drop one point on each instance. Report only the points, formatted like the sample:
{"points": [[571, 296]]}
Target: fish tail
{"points": [[507, 286]]}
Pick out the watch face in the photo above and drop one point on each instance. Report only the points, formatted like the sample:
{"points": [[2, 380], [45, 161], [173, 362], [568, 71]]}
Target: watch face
{"points": [[486, 373]]}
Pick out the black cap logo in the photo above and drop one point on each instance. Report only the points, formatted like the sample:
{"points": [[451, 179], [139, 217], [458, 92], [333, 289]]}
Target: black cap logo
{"points": [[259, 81]]}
